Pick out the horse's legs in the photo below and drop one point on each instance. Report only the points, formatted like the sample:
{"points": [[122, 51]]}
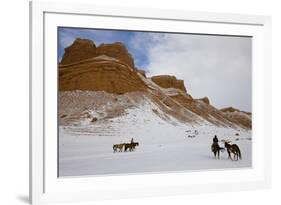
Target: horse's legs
{"points": [[229, 156], [219, 154], [234, 154]]}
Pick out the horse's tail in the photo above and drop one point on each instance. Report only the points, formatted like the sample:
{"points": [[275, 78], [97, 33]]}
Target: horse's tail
{"points": [[239, 153]]}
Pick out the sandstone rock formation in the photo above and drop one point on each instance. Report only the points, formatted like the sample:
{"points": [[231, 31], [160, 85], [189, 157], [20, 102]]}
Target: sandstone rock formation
{"points": [[239, 117], [224, 117], [100, 74], [116, 50], [108, 67], [167, 81], [82, 49], [203, 109], [231, 109], [205, 100], [142, 72]]}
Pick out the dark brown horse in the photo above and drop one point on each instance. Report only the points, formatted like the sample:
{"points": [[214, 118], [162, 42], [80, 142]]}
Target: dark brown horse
{"points": [[130, 146], [216, 149], [234, 149]]}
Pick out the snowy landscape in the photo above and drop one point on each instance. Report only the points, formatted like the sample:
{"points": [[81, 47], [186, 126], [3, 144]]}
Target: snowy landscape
{"points": [[106, 100], [85, 147]]}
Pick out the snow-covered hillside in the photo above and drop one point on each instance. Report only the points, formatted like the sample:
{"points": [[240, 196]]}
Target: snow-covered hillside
{"points": [[85, 145]]}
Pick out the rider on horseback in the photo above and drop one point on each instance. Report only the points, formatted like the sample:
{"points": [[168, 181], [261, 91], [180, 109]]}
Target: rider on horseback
{"points": [[215, 147], [215, 139]]}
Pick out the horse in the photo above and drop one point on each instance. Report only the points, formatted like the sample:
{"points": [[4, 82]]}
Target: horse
{"points": [[233, 149], [131, 146], [216, 149], [118, 146]]}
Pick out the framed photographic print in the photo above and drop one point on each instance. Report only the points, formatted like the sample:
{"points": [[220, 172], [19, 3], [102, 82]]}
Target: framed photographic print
{"points": [[129, 102]]}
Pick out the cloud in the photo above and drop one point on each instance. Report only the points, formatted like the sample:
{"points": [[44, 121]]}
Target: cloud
{"points": [[215, 66]]}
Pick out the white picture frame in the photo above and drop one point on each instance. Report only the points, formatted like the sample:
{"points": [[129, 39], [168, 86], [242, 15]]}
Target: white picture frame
{"points": [[46, 187]]}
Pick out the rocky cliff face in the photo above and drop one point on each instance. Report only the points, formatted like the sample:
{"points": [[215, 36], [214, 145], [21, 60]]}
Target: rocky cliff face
{"points": [[205, 100], [167, 81], [101, 73], [203, 109], [108, 67], [238, 117], [142, 72], [231, 109], [82, 49], [116, 50]]}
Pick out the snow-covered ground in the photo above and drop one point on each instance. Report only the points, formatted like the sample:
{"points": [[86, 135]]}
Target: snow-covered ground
{"points": [[164, 145]]}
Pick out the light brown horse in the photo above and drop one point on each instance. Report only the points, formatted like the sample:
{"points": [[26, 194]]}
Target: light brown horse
{"points": [[119, 147]]}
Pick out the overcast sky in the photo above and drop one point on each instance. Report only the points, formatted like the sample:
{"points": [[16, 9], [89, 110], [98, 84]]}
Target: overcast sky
{"points": [[218, 67]]}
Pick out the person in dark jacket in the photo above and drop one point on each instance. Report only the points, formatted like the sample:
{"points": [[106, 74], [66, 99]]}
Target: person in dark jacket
{"points": [[215, 139]]}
